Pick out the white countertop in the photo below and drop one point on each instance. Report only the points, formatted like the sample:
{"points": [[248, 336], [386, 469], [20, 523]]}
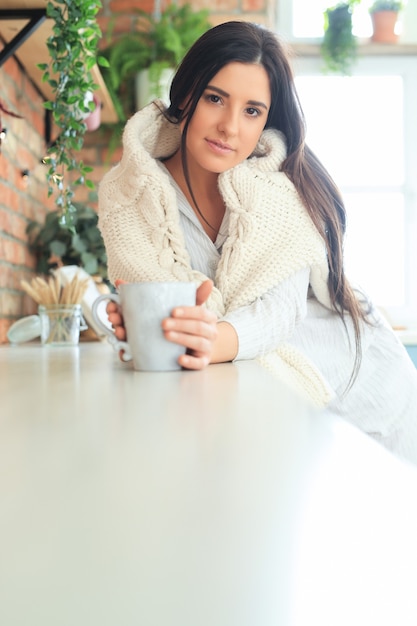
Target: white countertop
{"points": [[211, 498], [408, 336]]}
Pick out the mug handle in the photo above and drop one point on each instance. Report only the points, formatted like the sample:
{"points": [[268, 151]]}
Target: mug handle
{"points": [[112, 339]]}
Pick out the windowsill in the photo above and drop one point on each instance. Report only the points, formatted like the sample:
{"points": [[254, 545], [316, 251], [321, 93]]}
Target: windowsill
{"points": [[408, 337], [365, 48]]}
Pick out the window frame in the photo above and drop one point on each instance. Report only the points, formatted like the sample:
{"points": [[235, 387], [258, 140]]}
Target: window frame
{"points": [[307, 61]]}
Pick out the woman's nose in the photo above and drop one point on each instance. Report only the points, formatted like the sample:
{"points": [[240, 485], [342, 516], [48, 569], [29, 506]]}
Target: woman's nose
{"points": [[229, 123]]}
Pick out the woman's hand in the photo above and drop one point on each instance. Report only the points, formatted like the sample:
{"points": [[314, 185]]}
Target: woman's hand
{"points": [[115, 317], [194, 327]]}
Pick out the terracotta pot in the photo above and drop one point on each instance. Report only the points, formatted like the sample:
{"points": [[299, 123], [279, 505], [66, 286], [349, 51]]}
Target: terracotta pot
{"points": [[383, 24]]}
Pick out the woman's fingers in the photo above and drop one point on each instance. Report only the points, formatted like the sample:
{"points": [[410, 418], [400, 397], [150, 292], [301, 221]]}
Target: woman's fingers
{"points": [[201, 342], [120, 333], [194, 362], [111, 307], [195, 328], [116, 320], [193, 321]]}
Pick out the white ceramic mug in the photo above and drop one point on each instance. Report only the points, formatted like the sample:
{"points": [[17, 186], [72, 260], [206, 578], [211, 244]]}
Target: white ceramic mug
{"points": [[144, 306]]}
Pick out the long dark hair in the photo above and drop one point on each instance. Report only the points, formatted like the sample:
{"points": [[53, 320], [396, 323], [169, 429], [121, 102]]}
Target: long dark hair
{"points": [[251, 43]]}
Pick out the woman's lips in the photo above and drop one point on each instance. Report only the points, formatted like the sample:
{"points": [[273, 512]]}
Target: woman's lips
{"points": [[219, 147]]}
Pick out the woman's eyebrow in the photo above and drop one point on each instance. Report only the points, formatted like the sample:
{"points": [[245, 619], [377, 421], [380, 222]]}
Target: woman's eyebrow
{"points": [[227, 95]]}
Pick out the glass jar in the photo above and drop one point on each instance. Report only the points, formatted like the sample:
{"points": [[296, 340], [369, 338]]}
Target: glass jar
{"points": [[61, 324]]}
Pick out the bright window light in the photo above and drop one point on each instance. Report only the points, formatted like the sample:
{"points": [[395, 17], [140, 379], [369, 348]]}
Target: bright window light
{"points": [[307, 18], [355, 126]]}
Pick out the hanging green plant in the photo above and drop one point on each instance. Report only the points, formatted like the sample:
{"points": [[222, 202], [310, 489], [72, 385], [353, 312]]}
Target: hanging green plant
{"points": [[339, 45], [73, 52]]}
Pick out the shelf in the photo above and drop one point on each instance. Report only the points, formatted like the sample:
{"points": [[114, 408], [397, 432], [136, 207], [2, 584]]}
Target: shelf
{"points": [[32, 49], [365, 48]]}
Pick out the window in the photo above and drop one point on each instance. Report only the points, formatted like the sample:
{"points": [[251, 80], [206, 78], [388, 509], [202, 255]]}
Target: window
{"points": [[364, 130], [303, 19]]}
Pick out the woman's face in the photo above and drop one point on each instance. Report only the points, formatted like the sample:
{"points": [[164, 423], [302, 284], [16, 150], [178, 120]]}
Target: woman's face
{"points": [[229, 118]]}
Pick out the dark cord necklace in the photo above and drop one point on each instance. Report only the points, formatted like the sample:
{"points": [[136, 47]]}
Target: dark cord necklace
{"points": [[215, 230]]}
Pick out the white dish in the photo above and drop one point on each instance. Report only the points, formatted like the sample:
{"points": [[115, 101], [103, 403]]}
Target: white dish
{"points": [[25, 329]]}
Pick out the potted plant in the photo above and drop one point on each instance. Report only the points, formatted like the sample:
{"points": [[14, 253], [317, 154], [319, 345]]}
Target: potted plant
{"points": [[384, 16], [55, 245], [72, 49], [158, 45], [339, 45]]}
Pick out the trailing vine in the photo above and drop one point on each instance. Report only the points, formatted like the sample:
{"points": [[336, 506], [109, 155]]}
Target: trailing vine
{"points": [[73, 53], [339, 45]]}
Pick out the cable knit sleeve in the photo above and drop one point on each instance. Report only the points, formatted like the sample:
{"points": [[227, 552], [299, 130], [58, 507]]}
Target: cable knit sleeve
{"points": [[271, 319], [135, 236], [138, 214]]}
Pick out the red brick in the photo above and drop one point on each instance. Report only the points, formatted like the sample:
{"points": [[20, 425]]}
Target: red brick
{"points": [[10, 303], [30, 259], [89, 155], [13, 252], [4, 327], [5, 221], [6, 194], [229, 6], [19, 227], [129, 6], [253, 5], [115, 25], [23, 155], [4, 168]]}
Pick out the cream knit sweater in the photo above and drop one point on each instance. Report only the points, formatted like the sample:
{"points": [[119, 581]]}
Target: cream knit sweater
{"points": [[271, 236]]}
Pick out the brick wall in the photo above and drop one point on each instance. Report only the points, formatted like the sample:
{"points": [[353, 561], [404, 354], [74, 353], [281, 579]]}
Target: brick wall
{"points": [[20, 200], [24, 200]]}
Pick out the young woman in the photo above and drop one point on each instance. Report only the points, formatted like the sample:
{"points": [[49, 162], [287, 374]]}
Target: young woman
{"points": [[221, 189]]}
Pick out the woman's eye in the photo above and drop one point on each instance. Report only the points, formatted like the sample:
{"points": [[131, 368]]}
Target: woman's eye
{"points": [[212, 97], [253, 112]]}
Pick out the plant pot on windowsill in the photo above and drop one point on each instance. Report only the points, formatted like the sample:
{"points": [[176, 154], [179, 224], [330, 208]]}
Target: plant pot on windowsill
{"points": [[384, 17], [383, 27]]}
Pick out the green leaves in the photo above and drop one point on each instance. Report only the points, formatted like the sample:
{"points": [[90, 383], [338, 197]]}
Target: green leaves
{"points": [[339, 45], [158, 43], [72, 50], [386, 5], [58, 248], [80, 244]]}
